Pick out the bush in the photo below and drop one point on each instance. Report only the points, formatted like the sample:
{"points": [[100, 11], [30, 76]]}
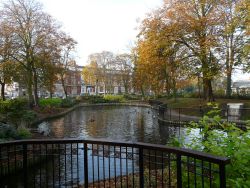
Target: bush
{"points": [[228, 141], [114, 98], [68, 102], [132, 97], [23, 133], [13, 111], [13, 105], [51, 102], [7, 131], [96, 99], [29, 116]]}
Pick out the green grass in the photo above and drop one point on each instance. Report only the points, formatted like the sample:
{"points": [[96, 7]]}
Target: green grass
{"points": [[51, 102]]}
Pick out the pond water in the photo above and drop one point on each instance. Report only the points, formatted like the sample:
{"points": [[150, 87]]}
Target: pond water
{"points": [[117, 123], [123, 123]]}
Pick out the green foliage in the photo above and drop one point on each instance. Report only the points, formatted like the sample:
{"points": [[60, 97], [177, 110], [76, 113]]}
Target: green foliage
{"points": [[114, 98], [7, 131], [29, 116], [132, 97], [12, 105], [50, 102], [68, 102], [16, 110], [102, 99], [23, 133], [96, 99], [228, 141]]}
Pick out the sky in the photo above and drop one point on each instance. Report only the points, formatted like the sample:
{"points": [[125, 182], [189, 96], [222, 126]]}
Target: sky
{"points": [[100, 25]]}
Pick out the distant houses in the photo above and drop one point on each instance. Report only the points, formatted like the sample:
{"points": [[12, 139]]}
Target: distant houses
{"points": [[112, 74], [75, 86], [241, 87]]}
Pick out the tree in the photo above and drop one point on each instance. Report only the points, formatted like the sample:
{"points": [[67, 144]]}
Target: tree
{"points": [[106, 65], [193, 24], [32, 30], [7, 67], [48, 73], [124, 70], [91, 75], [159, 57], [233, 40], [66, 63]]}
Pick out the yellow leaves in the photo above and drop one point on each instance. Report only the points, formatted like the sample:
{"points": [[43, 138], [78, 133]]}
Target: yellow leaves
{"points": [[91, 73]]}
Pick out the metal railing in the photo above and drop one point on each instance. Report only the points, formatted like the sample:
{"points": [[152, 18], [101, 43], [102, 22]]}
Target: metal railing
{"points": [[238, 116], [99, 163]]}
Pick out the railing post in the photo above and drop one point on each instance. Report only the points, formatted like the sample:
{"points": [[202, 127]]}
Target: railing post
{"points": [[86, 174], [25, 166], [179, 173], [141, 169], [222, 176]]}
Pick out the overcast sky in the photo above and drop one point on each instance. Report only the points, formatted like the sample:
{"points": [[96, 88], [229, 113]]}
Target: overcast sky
{"points": [[99, 25]]}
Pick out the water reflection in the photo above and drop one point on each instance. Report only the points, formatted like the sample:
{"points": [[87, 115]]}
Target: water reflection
{"points": [[132, 124], [114, 123]]}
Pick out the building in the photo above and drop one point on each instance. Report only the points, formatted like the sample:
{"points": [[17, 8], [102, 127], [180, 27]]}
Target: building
{"points": [[241, 87], [113, 74], [73, 82]]}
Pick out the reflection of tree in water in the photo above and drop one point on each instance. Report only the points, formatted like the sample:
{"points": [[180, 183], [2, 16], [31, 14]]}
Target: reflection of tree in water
{"points": [[57, 127], [112, 122]]}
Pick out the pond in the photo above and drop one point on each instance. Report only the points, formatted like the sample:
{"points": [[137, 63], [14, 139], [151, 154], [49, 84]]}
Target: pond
{"points": [[118, 123]]}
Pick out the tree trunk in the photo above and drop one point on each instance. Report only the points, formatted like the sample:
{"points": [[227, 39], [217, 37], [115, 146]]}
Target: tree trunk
{"points": [[174, 90], [208, 90], [36, 98], [29, 88], [64, 87], [2, 91], [142, 92], [229, 82]]}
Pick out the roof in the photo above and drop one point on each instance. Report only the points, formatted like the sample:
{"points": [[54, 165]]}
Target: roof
{"points": [[241, 84]]}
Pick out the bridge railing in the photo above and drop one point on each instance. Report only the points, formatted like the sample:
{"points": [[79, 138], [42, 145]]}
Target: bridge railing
{"points": [[100, 163]]}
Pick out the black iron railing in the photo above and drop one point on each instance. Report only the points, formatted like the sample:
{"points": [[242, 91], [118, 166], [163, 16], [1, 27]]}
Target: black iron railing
{"points": [[99, 163], [238, 116]]}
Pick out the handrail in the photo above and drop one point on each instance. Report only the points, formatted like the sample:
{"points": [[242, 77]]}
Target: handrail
{"points": [[183, 159], [180, 151]]}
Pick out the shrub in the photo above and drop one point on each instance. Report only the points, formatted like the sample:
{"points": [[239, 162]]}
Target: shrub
{"points": [[23, 133], [97, 99], [229, 141], [7, 131], [114, 98], [13, 105], [13, 111], [51, 102], [29, 116], [132, 97], [68, 102]]}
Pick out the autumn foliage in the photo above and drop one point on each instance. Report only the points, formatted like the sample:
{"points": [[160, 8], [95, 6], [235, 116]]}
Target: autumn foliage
{"points": [[183, 39]]}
